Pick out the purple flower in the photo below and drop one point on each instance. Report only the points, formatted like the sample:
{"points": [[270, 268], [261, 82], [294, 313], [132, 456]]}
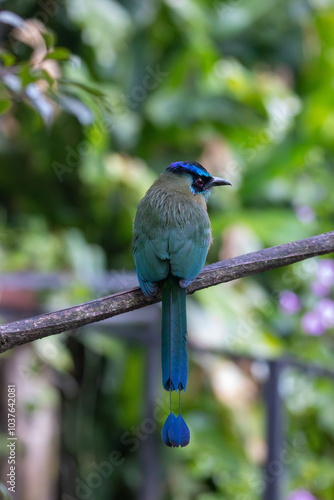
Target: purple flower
{"points": [[301, 495], [305, 213], [289, 302], [319, 289], [312, 323], [325, 272], [325, 308]]}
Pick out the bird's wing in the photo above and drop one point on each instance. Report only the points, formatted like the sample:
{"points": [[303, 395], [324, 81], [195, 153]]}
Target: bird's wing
{"points": [[150, 251], [179, 246], [188, 246]]}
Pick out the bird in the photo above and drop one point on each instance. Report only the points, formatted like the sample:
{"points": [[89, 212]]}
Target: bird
{"points": [[171, 239]]}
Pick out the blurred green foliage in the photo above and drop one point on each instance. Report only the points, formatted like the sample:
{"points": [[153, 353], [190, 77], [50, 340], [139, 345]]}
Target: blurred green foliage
{"points": [[125, 88]]}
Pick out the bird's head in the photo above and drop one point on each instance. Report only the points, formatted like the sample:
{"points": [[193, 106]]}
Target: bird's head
{"points": [[200, 180]]}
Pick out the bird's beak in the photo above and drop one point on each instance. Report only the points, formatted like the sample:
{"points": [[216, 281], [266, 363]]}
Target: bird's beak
{"points": [[217, 181]]}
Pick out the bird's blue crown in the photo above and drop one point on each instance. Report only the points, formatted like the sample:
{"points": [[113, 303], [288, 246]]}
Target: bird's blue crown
{"points": [[186, 167]]}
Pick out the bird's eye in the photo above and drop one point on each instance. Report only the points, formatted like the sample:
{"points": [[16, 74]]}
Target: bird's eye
{"points": [[199, 182]]}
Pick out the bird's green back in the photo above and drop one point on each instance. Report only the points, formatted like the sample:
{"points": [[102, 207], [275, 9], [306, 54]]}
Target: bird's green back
{"points": [[171, 232]]}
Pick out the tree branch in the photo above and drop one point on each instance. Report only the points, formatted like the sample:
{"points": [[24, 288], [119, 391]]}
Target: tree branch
{"points": [[27, 330]]}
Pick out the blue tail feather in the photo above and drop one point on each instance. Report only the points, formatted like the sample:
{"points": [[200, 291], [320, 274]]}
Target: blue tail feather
{"points": [[173, 336], [175, 431]]}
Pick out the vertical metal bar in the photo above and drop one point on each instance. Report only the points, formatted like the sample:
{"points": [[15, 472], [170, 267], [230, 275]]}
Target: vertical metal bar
{"points": [[273, 472]]}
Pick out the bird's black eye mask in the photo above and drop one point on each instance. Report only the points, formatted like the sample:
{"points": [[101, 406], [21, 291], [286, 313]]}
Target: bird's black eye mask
{"points": [[201, 177], [200, 184]]}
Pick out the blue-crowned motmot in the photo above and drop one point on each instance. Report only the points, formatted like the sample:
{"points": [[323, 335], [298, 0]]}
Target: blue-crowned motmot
{"points": [[171, 238]]}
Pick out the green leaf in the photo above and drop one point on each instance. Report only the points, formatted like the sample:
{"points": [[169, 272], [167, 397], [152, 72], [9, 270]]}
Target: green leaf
{"points": [[59, 54], [7, 58], [49, 39], [82, 86], [26, 75], [46, 76], [4, 105]]}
